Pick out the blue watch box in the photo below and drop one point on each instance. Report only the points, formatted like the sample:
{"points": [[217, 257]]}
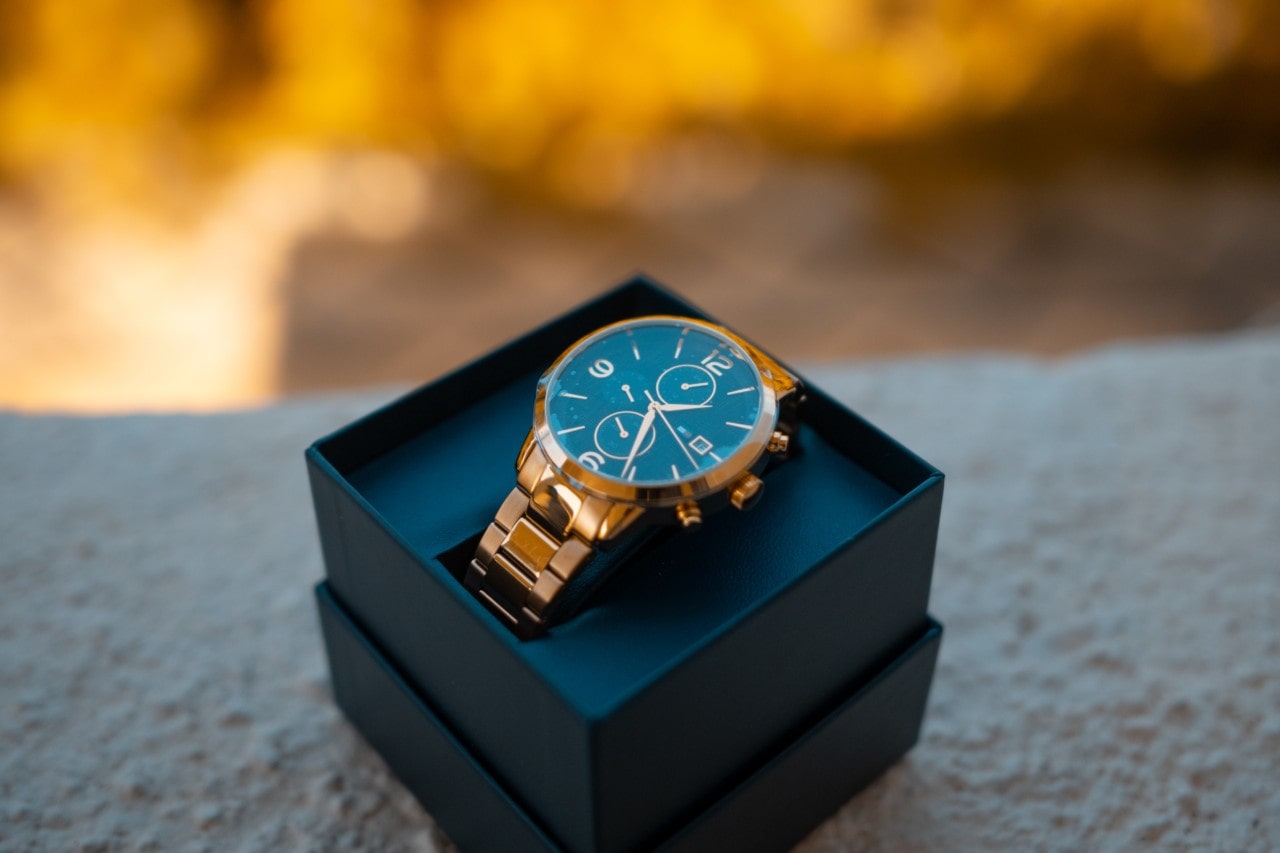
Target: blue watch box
{"points": [[726, 689]]}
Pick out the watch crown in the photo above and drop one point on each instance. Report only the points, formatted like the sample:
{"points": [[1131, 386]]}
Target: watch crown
{"points": [[689, 514], [779, 442], [746, 491]]}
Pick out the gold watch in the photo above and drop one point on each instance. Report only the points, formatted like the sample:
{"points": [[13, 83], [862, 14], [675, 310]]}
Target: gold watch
{"points": [[651, 421]]}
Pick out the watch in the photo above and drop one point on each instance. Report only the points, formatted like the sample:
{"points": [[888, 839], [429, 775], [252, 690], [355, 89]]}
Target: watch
{"points": [[653, 421]]}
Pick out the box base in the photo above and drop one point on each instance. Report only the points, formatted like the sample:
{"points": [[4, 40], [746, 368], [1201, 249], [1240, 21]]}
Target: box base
{"points": [[693, 667], [770, 808]]}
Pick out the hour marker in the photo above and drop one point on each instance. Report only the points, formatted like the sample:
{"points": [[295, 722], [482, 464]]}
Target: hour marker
{"points": [[713, 455], [674, 471], [716, 363], [635, 349], [568, 430], [631, 475], [733, 424], [580, 397], [680, 343], [739, 391]]}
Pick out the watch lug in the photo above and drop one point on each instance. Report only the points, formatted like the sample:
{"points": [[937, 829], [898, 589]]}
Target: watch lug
{"points": [[563, 507], [526, 448], [530, 464], [783, 381], [602, 521], [790, 394]]}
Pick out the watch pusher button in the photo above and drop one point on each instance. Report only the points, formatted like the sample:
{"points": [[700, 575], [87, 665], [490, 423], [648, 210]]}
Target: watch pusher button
{"points": [[779, 442], [746, 491], [689, 514]]}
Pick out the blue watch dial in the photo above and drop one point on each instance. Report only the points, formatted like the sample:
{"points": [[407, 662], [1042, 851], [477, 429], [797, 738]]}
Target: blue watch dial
{"points": [[654, 401]]}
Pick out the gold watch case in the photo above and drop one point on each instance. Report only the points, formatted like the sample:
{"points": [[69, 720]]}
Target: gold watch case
{"points": [[779, 387]]}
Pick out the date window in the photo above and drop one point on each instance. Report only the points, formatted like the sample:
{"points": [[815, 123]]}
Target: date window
{"points": [[700, 445]]}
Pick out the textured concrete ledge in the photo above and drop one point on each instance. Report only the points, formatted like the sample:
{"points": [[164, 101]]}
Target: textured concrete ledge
{"points": [[1109, 572]]}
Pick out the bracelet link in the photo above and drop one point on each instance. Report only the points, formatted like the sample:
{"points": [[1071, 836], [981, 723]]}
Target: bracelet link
{"points": [[527, 545], [529, 552]]}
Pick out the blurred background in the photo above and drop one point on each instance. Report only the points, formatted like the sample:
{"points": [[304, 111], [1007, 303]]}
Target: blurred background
{"points": [[212, 203]]}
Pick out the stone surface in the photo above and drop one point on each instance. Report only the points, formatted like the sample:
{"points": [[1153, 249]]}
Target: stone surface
{"points": [[1108, 571]]}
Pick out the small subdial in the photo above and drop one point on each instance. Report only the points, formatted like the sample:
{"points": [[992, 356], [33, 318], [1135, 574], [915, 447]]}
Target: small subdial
{"points": [[616, 434], [686, 384]]}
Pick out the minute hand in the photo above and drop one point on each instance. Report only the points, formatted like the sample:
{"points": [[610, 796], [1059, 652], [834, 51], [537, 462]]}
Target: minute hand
{"points": [[662, 410], [640, 434]]}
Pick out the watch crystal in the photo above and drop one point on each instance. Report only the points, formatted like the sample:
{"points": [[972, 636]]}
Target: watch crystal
{"points": [[654, 401]]}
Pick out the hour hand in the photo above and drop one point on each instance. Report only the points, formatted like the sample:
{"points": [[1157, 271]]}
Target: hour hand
{"points": [[655, 406]]}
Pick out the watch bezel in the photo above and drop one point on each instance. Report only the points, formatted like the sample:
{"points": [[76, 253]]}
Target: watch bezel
{"points": [[703, 483]]}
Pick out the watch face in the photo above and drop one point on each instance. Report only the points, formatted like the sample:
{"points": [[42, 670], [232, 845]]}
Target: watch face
{"points": [[655, 402]]}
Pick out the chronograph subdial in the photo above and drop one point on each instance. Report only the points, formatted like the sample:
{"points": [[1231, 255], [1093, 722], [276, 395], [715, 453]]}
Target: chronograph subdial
{"points": [[618, 432], [686, 384]]}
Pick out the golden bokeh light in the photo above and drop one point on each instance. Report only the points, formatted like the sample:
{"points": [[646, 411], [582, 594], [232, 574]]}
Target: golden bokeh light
{"points": [[103, 89], [170, 152]]}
